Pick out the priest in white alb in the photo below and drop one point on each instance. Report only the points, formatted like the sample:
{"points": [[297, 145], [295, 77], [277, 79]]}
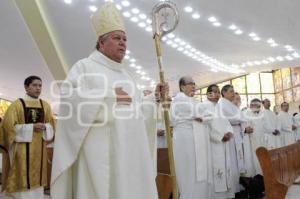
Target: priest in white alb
{"points": [[270, 126], [101, 150], [192, 153], [220, 132], [285, 124]]}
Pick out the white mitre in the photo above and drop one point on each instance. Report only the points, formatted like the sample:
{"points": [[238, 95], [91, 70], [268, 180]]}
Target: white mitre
{"points": [[107, 19]]}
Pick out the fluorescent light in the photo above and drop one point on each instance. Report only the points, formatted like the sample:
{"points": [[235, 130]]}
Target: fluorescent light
{"points": [[271, 59], [149, 21], [274, 44], [127, 57], [193, 50], [118, 7], [143, 73], [279, 58], [270, 41], [188, 46], [132, 65], [138, 72], [182, 43], [265, 62], [174, 45], [196, 15], [188, 9], [135, 11], [232, 27], [138, 67], [125, 3], [217, 24], [212, 19], [296, 55], [142, 24], [252, 34], [143, 16], [238, 32], [288, 46], [126, 14], [169, 42], [289, 58], [68, 1], [256, 38], [132, 60], [180, 49], [170, 35], [134, 19], [149, 29], [178, 40], [164, 38], [93, 8]]}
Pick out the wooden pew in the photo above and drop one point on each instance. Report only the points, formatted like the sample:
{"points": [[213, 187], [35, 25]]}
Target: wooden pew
{"points": [[280, 169], [163, 179]]}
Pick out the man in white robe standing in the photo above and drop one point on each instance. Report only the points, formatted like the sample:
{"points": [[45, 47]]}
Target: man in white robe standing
{"points": [[272, 134], [227, 109], [296, 117], [220, 132], [192, 153], [285, 124], [101, 150]]}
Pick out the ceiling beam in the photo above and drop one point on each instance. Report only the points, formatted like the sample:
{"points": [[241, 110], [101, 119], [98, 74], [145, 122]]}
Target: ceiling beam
{"points": [[43, 36]]}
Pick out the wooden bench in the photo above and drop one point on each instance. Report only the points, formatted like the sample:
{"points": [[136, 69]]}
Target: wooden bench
{"points": [[280, 168], [163, 179]]}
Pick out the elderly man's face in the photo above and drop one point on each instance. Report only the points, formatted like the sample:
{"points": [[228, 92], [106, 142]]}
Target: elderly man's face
{"points": [[114, 45], [189, 87], [285, 107]]}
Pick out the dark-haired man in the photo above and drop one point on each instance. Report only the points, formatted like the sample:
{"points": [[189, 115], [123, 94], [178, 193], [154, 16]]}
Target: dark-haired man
{"points": [[27, 125]]}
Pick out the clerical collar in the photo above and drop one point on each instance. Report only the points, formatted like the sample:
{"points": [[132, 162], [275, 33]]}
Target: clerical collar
{"points": [[97, 56], [29, 98]]}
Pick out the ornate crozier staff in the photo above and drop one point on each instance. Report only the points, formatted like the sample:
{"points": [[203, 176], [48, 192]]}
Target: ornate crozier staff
{"points": [[162, 27]]}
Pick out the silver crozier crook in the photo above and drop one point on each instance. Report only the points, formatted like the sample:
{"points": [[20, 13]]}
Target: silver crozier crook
{"points": [[161, 27]]}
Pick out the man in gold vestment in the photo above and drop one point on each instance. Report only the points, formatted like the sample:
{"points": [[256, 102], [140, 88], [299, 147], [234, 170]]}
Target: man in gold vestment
{"points": [[27, 126]]}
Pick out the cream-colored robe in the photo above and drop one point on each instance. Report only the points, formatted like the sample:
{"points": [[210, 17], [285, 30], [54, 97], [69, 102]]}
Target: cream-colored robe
{"points": [[192, 151], [217, 128], [101, 150], [284, 125]]}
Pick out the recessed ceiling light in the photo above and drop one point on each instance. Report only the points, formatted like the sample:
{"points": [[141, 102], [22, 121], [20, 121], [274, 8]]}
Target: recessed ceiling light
{"points": [[127, 57], [143, 16], [135, 11], [265, 62], [217, 24], [279, 58], [212, 19], [164, 38], [125, 3], [288, 46], [126, 14], [180, 49], [138, 67], [93, 8], [169, 42], [270, 41], [134, 19], [182, 43], [271, 59], [296, 55], [274, 44], [249, 63], [238, 32], [132, 60], [118, 7], [188, 46], [149, 29], [138, 72], [68, 1], [289, 58], [132, 65], [196, 15], [143, 73], [174, 45], [232, 27], [178, 40], [149, 21], [170, 35], [252, 34], [256, 39], [188, 9], [142, 24]]}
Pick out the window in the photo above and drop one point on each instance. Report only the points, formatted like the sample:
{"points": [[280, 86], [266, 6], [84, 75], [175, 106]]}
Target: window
{"points": [[239, 84], [267, 84], [253, 84]]}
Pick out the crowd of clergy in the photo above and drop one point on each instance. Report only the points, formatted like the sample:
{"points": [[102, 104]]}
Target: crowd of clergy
{"points": [[106, 140]]}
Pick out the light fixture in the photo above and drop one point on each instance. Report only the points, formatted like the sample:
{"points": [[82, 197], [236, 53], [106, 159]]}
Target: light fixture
{"points": [[149, 29], [149, 21], [93, 8], [217, 24], [232, 27], [279, 58], [134, 19], [174, 45], [135, 11], [296, 55], [126, 14], [164, 38], [143, 16], [132, 60], [271, 59], [270, 41], [256, 38], [125, 3], [126, 57], [238, 32], [132, 65], [212, 19], [138, 67], [170, 35], [178, 40], [265, 62], [252, 34], [138, 72], [288, 57], [274, 44], [180, 49], [169, 42], [68, 1], [196, 15], [142, 24], [188, 9], [118, 7]]}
